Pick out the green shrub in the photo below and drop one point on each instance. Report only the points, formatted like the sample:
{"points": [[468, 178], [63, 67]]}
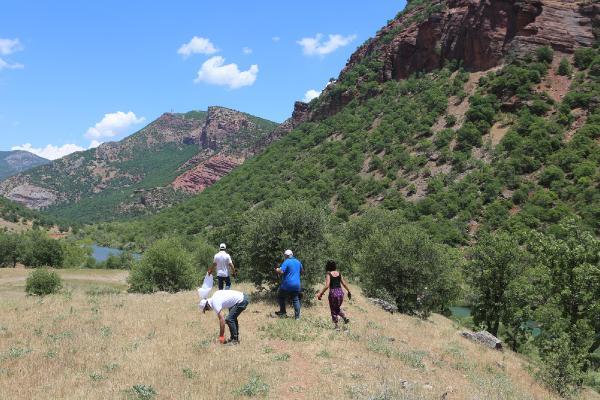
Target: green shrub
{"points": [[584, 57], [289, 225], [564, 68], [420, 275], [551, 174], [165, 266], [42, 282], [545, 54]]}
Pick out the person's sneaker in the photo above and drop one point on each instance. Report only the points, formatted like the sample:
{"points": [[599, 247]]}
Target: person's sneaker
{"points": [[279, 314], [346, 320], [232, 342]]}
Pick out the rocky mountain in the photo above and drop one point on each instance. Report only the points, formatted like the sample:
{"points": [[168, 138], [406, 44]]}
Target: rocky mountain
{"points": [[466, 115], [13, 162], [173, 156]]}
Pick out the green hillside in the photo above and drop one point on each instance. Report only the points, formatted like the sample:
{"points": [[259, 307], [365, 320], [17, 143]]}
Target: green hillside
{"points": [[383, 150], [133, 177]]}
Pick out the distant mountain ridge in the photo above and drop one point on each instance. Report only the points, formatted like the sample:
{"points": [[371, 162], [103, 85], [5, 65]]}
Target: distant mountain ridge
{"points": [[174, 156], [15, 161]]}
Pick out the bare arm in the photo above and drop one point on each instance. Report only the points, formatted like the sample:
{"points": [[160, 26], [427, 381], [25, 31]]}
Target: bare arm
{"points": [[327, 282], [345, 284], [212, 268], [232, 268], [221, 324]]}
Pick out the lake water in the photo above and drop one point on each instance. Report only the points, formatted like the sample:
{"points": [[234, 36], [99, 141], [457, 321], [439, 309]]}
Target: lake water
{"points": [[461, 312], [464, 312], [101, 253]]}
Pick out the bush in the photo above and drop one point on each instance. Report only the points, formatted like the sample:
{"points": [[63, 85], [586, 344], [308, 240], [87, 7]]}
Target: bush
{"points": [[420, 275], [165, 266], [269, 232], [551, 174], [42, 282], [545, 54], [584, 57], [564, 67]]}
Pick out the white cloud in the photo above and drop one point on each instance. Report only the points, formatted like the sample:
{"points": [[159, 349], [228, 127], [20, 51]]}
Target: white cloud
{"points": [[5, 65], [198, 45], [113, 124], [276, 39], [10, 46], [310, 94], [7, 47], [51, 152], [94, 143], [312, 46], [247, 50], [216, 72]]}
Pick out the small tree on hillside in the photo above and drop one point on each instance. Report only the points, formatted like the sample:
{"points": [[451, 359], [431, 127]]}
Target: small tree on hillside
{"points": [[166, 266], [564, 68], [545, 54], [269, 232], [406, 265], [9, 250], [569, 314]]}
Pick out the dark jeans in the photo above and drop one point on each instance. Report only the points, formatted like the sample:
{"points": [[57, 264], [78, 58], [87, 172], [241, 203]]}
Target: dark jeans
{"points": [[225, 279], [232, 318], [283, 295]]}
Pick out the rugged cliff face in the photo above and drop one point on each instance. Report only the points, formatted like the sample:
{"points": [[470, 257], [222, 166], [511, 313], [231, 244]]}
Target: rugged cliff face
{"points": [[227, 139], [482, 34]]}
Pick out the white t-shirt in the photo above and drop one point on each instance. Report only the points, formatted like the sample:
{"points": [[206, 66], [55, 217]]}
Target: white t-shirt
{"points": [[222, 259], [225, 299]]}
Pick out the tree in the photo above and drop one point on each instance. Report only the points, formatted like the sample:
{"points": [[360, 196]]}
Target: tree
{"points": [[569, 315], [545, 54], [564, 68], [405, 265], [267, 233], [9, 249], [42, 282], [36, 249], [166, 266], [495, 262]]}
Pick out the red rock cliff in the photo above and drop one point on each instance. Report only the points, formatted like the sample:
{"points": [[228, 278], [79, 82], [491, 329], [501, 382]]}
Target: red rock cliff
{"points": [[480, 33]]}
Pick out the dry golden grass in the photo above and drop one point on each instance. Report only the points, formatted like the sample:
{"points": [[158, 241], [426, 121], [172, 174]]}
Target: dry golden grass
{"points": [[75, 345]]}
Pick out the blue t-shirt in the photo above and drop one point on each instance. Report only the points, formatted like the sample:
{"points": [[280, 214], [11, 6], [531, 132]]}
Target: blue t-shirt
{"points": [[291, 275]]}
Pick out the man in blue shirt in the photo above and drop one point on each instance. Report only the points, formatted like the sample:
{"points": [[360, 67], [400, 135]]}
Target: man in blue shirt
{"points": [[290, 270]]}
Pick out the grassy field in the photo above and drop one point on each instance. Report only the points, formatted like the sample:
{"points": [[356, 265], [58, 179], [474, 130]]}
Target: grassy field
{"points": [[93, 341]]}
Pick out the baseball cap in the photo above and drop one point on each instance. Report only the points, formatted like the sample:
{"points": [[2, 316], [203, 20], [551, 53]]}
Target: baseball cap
{"points": [[222, 246], [202, 304], [288, 253]]}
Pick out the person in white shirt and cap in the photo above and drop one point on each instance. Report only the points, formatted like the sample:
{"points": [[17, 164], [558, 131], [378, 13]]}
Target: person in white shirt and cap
{"points": [[236, 302], [224, 266]]}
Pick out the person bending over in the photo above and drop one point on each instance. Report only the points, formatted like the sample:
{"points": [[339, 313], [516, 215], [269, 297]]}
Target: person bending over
{"points": [[236, 302]]}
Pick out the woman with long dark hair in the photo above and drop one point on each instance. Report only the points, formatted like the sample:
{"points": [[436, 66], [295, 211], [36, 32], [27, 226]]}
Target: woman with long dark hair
{"points": [[334, 282]]}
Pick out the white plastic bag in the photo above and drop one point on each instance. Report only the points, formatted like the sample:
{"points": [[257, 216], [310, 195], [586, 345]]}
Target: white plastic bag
{"points": [[208, 281], [203, 292], [206, 287]]}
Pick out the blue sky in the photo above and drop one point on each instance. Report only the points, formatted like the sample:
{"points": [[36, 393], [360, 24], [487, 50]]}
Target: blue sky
{"points": [[77, 73]]}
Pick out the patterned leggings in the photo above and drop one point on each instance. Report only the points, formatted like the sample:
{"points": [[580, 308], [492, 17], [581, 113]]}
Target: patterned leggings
{"points": [[336, 298]]}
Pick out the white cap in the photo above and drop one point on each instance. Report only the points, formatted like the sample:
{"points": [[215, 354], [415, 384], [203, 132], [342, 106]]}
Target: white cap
{"points": [[288, 253], [222, 246], [202, 304]]}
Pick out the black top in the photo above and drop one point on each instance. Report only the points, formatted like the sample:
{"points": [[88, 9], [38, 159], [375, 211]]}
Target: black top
{"points": [[335, 282]]}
